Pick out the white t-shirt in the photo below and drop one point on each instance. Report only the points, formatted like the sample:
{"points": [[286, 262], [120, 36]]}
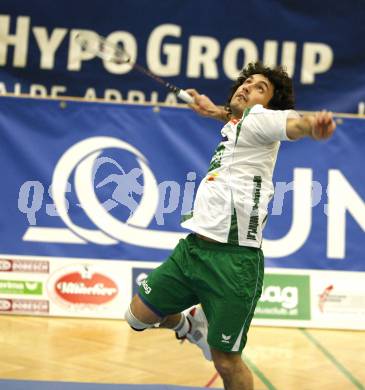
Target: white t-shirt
{"points": [[232, 200]]}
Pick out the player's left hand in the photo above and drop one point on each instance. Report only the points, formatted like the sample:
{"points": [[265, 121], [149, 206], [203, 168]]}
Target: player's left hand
{"points": [[323, 125]]}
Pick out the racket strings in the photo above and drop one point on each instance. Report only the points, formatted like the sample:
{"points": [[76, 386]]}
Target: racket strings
{"points": [[116, 53]]}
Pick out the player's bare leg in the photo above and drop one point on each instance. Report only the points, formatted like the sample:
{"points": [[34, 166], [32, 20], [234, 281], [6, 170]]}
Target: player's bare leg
{"points": [[235, 374]]}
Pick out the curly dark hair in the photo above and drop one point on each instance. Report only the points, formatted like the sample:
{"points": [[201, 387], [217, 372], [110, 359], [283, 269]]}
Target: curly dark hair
{"points": [[283, 98]]}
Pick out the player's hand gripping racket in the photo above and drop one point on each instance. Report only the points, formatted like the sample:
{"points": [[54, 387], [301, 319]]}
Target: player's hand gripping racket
{"points": [[100, 47]]}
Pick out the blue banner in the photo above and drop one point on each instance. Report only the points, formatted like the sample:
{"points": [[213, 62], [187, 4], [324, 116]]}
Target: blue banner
{"points": [[201, 44], [110, 181]]}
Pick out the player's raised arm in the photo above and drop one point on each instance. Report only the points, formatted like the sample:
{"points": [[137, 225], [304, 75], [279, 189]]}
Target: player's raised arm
{"points": [[319, 126], [205, 107]]}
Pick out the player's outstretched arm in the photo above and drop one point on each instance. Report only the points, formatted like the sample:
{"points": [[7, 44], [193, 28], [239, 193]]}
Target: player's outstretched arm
{"points": [[205, 107], [319, 126]]}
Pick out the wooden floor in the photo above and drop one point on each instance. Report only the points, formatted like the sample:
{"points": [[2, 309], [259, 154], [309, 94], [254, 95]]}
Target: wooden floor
{"points": [[107, 351]]}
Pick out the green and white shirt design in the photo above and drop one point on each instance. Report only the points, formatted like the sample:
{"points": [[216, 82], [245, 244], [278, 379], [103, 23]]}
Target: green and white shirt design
{"points": [[232, 200]]}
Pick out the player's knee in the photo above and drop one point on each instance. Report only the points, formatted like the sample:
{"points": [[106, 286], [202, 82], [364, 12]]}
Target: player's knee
{"points": [[134, 322], [227, 364], [224, 368]]}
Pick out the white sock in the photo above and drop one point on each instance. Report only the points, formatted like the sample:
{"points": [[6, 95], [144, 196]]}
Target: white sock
{"points": [[183, 327]]}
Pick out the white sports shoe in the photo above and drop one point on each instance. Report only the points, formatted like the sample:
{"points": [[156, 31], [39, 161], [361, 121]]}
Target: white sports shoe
{"points": [[199, 330]]}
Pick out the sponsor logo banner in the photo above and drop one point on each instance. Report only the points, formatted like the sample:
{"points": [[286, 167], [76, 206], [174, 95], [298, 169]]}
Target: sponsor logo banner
{"points": [[24, 306], [21, 287], [308, 298], [38, 44], [81, 286], [31, 266], [74, 287], [285, 297], [338, 297]]}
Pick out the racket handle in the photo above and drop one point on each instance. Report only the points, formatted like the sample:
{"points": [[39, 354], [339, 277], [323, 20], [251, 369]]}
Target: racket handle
{"points": [[183, 95]]}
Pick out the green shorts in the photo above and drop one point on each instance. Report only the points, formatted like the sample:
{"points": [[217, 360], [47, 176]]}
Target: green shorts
{"points": [[226, 279]]}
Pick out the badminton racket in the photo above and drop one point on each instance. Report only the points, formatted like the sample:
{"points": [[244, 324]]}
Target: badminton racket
{"points": [[100, 47]]}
